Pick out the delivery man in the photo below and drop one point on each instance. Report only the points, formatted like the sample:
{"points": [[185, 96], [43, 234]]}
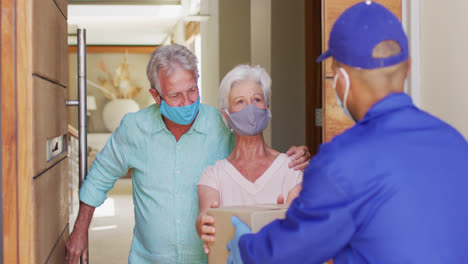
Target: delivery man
{"points": [[391, 189]]}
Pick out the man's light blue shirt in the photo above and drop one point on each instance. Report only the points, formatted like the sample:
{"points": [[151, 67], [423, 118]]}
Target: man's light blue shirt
{"points": [[165, 173]]}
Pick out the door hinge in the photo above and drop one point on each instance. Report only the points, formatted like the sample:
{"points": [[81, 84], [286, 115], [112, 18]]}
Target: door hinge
{"points": [[318, 117]]}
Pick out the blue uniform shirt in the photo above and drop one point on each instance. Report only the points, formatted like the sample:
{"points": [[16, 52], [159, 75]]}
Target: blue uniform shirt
{"points": [[164, 176], [391, 189]]}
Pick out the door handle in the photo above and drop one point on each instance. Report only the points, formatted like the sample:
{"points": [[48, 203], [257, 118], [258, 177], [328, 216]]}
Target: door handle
{"points": [[81, 103]]}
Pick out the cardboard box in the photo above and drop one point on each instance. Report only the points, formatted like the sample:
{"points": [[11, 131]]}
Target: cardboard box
{"points": [[255, 217]]}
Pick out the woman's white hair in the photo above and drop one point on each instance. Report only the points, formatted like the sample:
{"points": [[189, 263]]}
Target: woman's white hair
{"points": [[243, 73], [169, 57]]}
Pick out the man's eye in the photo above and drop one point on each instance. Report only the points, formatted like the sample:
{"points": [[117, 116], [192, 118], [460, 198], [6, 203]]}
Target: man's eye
{"points": [[240, 102]]}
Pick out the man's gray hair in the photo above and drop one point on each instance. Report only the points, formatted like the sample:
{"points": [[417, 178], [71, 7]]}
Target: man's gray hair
{"points": [[243, 73], [169, 57]]}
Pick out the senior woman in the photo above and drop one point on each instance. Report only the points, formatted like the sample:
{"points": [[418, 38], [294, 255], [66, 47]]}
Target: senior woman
{"points": [[253, 173]]}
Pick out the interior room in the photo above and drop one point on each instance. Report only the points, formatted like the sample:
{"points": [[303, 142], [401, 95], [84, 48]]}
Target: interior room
{"points": [[39, 112], [242, 32]]}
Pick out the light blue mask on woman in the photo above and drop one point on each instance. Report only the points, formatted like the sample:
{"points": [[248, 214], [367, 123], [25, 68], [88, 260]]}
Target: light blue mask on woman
{"points": [[182, 115], [249, 121]]}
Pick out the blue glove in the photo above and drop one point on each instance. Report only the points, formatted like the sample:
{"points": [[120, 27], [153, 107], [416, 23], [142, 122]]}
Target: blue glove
{"points": [[233, 245]]}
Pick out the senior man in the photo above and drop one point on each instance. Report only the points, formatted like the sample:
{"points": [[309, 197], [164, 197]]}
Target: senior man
{"points": [[167, 145], [391, 189]]}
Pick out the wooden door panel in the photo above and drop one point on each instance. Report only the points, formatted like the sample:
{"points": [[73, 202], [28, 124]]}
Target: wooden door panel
{"points": [[49, 110], [50, 42], [9, 135], [35, 193], [334, 8], [51, 211], [58, 254], [63, 6], [336, 121], [49, 122]]}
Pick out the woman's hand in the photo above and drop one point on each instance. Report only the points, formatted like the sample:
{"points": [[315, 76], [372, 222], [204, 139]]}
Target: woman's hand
{"points": [[301, 157], [292, 194], [206, 229]]}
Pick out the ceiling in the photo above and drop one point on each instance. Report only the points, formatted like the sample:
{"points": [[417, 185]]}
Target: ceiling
{"points": [[146, 22]]}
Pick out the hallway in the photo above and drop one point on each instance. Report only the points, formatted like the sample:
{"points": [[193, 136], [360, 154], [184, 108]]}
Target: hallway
{"points": [[111, 230]]}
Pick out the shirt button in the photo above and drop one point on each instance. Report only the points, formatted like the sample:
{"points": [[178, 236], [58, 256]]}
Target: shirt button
{"points": [[177, 221], [178, 147], [179, 245], [178, 171], [177, 196]]}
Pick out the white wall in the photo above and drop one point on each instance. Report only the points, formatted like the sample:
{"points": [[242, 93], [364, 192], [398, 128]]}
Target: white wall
{"points": [[444, 57]]}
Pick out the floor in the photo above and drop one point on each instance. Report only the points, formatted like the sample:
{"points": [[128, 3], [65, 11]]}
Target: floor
{"points": [[111, 230]]}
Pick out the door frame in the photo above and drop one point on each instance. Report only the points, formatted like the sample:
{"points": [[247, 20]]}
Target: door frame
{"points": [[411, 20], [313, 49], [16, 131]]}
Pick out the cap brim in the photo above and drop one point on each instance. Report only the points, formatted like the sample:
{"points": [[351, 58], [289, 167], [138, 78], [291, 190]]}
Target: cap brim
{"points": [[323, 56]]}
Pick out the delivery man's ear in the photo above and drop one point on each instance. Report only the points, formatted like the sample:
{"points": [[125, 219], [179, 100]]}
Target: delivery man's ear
{"points": [[408, 70]]}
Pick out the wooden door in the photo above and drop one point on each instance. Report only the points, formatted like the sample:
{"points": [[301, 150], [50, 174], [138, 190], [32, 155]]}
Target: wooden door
{"points": [[334, 119], [34, 130], [313, 46]]}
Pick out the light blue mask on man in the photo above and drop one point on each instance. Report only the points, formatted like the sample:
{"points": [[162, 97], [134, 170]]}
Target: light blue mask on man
{"points": [[347, 85], [182, 115]]}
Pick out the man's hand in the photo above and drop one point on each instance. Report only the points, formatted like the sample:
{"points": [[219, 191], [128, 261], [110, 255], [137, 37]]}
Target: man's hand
{"points": [[77, 246], [301, 157], [77, 242], [233, 245]]}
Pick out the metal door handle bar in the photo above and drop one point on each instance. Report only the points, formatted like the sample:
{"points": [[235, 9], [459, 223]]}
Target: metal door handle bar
{"points": [[81, 103]]}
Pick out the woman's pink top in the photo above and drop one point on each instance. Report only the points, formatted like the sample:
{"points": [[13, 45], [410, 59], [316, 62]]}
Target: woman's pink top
{"points": [[235, 189]]}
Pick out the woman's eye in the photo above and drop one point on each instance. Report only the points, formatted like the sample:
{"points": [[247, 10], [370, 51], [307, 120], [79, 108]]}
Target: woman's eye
{"points": [[240, 102]]}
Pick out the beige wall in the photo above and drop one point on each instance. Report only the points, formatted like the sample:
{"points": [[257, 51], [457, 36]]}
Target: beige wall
{"points": [[137, 67], [234, 34], [209, 32], [227, 40], [269, 33], [444, 54], [288, 73], [260, 36]]}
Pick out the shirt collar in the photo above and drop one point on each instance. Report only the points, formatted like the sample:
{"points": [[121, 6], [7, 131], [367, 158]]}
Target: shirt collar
{"points": [[157, 125], [201, 123], [390, 103]]}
